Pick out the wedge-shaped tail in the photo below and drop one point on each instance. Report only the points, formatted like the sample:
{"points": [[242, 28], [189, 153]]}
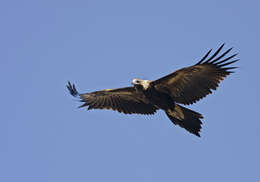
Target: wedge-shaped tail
{"points": [[186, 118]]}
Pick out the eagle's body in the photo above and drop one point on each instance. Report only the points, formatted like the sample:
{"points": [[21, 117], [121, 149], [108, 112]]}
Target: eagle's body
{"points": [[159, 99], [185, 86]]}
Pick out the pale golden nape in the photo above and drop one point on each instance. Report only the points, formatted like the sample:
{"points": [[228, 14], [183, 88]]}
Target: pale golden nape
{"points": [[144, 83]]}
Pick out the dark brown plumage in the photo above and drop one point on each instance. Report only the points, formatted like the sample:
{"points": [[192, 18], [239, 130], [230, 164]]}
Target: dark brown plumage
{"points": [[125, 100], [185, 86]]}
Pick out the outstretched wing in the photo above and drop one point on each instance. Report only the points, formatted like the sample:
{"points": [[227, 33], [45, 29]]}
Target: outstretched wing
{"points": [[190, 84], [125, 100]]}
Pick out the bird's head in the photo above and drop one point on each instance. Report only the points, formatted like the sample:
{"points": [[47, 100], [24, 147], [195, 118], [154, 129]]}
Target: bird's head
{"points": [[141, 84]]}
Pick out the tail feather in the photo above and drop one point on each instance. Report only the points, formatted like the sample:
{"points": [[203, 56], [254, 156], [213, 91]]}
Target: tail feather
{"points": [[186, 118]]}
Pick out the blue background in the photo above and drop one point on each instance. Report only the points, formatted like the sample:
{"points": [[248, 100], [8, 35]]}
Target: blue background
{"points": [[103, 44]]}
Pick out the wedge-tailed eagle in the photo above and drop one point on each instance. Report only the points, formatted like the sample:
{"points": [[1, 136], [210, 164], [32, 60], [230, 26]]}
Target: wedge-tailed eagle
{"points": [[184, 86]]}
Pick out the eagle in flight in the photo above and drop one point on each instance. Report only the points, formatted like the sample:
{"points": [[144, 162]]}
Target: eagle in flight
{"points": [[184, 86]]}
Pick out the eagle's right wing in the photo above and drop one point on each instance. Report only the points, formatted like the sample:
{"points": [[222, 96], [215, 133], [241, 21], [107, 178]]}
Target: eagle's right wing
{"points": [[125, 100], [190, 84]]}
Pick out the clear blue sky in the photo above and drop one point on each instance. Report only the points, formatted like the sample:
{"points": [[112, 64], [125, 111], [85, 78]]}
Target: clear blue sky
{"points": [[100, 44]]}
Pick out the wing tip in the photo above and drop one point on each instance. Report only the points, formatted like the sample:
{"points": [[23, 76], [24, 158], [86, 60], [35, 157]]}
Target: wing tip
{"points": [[72, 89], [218, 61]]}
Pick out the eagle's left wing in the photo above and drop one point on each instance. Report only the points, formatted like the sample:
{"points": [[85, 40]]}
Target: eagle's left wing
{"points": [[191, 84], [125, 100]]}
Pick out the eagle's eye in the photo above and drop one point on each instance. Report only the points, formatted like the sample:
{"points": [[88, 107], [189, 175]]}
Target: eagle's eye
{"points": [[136, 82]]}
